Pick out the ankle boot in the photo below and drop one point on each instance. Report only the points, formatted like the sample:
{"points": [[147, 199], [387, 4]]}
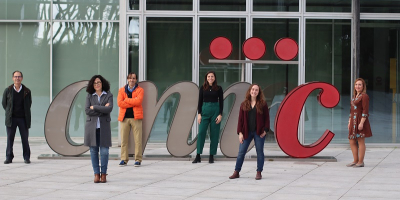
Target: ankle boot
{"points": [[197, 159], [258, 175], [103, 178], [97, 178], [234, 175], [211, 159]]}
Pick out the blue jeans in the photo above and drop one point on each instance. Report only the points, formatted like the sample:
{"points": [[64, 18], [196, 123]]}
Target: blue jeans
{"points": [[94, 156], [259, 143]]}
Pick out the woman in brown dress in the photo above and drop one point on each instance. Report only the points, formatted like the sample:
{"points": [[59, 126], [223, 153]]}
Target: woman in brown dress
{"points": [[358, 126]]}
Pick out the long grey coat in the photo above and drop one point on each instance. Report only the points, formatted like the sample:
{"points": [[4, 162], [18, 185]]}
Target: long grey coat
{"points": [[99, 111]]}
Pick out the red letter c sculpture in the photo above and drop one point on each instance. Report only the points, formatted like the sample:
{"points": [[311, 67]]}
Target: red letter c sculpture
{"points": [[288, 116]]}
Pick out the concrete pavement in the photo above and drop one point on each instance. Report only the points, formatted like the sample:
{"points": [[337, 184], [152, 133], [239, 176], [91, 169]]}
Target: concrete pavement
{"points": [[157, 179]]}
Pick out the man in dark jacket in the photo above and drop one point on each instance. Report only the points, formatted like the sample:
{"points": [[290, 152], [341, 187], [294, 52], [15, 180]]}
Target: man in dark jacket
{"points": [[17, 101]]}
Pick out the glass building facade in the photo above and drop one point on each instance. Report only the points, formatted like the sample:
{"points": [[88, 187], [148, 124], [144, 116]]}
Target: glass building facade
{"points": [[56, 43]]}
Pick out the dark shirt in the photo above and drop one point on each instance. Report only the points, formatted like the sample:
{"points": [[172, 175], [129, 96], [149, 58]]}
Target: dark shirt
{"points": [[252, 120], [262, 121], [211, 95], [129, 111], [18, 104]]}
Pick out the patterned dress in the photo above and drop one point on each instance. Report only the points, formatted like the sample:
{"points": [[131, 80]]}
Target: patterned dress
{"points": [[359, 109]]}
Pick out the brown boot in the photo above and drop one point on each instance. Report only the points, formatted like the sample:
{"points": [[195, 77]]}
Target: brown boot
{"points": [[97, 178], [234, 175], [103, 178], [258, 175]]}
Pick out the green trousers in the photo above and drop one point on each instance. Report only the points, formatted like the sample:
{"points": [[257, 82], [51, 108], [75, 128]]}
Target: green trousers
{"points": [[209, 114]]}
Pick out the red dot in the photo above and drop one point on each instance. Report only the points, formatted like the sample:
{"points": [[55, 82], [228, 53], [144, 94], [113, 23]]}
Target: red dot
{"points": [[220, 47], [254, 48], [286, 48]]}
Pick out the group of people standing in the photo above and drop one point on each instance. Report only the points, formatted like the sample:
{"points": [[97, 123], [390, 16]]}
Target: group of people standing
{"points": [[253, 123]]}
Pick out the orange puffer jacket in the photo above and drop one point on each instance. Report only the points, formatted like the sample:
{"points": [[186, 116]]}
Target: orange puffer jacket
{"points": [[135, 102]]}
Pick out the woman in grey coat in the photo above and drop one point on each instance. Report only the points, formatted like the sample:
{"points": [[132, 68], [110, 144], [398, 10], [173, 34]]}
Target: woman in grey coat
{"points": [[99, 104]]}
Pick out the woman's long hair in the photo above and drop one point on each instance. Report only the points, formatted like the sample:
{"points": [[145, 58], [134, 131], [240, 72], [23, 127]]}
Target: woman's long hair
{"points": [[206, 86], [104, 84], [260, 101], [364, 87]]}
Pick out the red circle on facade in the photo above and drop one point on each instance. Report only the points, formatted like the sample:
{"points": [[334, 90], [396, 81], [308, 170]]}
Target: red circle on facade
{"points": [[220, 47], [286, 48], [254, 48]]}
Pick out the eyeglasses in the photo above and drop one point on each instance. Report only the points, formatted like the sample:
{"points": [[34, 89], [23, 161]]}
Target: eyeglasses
{"points": [[17, 76], [97, 83]]}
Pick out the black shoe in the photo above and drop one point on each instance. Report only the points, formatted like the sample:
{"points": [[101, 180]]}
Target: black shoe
{"points": [[27, 161], [7, 161], [197, 159], [211, 159]]}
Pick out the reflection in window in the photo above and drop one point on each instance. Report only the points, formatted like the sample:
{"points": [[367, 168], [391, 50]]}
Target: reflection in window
{"points": [[134, 4], [275, 80], [391, 6], [169, 4], [276, 5], [81, 50], [25, 46], [328, 59], [169, 60], [223, 5], [25, 9], [235, 30], [328, 5], [379, 66], [133, 44], [86, 10]]}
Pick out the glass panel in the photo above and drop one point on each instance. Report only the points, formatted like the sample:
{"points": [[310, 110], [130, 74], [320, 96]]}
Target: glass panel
{"points": [[169, 5], [275, 80], [387, 6], [81, 50], [133, 44], [25, 9], [379, 54], [86, 10], [328, 59], [276, 5], [169, 47], [328, 5], [25, 47], [223, 5], [134, 4], [235, 30]]}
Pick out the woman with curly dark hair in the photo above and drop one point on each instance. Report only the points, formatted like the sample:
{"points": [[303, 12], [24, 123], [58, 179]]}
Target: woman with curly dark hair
{"points": [[99, 104], [253, 123]]}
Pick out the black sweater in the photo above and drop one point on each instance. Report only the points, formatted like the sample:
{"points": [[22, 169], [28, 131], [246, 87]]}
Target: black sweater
{"points": [[211, 96]]}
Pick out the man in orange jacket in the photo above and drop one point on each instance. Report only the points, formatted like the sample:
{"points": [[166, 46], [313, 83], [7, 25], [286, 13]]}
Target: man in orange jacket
{"points": [[129, 100]]}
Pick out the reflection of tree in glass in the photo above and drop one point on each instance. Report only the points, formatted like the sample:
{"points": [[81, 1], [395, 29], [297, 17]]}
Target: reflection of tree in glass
{"points": [[170, 105], [105, 10]]}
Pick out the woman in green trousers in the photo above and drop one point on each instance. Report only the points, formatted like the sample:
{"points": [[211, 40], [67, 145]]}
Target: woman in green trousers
{"points": [[210, 107]]}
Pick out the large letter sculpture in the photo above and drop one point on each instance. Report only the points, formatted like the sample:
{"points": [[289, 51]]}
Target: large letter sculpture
{"points": [[57, 122], [229, 144], [288, 116], [183, 119]]}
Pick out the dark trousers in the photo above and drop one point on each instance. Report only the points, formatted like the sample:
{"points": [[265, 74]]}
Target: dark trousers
{"points": [[24, 132], [209, 113]]}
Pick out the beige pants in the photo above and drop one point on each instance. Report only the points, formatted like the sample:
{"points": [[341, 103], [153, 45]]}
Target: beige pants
{"points": [[136, 126]]}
